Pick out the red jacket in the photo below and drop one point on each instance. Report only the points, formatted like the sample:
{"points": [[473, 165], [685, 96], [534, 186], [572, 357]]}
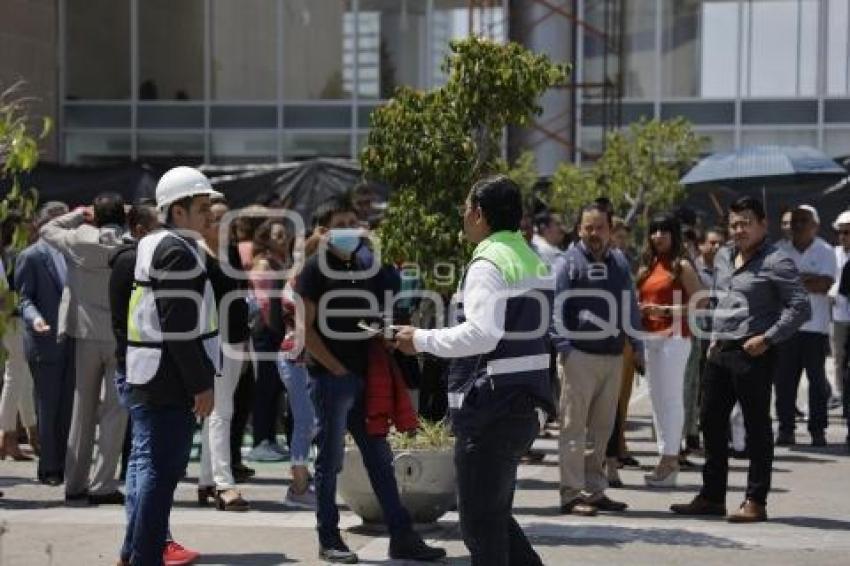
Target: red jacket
{"points": [[387, 399]]}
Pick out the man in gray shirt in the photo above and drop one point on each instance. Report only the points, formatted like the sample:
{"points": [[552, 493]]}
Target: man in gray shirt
{"points": [[760, 303]]}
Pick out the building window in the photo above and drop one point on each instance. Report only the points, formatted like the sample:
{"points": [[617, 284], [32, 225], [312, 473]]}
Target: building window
{"points": [[391, 50], [97, 50], [244, 50], [838, 46], [700, 48], [452, 20], [780, 58], [318, 37], [640, 69], [171, 50]]}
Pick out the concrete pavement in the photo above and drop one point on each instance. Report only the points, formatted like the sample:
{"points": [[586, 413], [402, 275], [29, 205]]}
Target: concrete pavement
{"points": [[809, 509]]}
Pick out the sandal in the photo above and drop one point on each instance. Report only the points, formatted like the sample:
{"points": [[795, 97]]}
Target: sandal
{"points": [[230, 500]]}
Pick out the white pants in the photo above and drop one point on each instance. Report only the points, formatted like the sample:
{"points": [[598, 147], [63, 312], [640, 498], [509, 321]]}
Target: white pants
{"points": [[840, 330], [215, 436], [17, 381], [666, 360]]}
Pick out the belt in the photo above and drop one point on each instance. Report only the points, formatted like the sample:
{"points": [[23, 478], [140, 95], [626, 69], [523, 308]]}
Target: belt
{"points": [[727, 345]]}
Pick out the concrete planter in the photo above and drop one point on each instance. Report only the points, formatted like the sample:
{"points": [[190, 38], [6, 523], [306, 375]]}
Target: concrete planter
{"points": [[426, 483]]}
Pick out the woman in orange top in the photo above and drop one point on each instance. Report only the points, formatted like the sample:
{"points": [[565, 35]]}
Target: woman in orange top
{"points": [[666, 281]]}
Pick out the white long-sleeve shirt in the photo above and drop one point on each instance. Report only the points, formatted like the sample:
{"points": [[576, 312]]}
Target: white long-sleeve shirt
{"points": [[484, 300]]}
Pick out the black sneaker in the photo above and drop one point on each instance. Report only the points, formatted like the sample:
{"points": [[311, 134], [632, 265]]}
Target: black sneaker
{"points": [[114, 498], [77, 499], [410, 546], [785, 439], [337, 552]]}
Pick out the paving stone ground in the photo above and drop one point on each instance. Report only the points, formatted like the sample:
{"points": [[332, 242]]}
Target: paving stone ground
{"points": [[809, 509]]}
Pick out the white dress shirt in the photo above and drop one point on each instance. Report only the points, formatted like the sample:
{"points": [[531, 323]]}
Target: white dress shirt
{"points": [[484, 299]]}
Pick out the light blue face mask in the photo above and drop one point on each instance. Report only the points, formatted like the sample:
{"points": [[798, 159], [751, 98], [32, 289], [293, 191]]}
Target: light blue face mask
{"points": [[345, 240]]}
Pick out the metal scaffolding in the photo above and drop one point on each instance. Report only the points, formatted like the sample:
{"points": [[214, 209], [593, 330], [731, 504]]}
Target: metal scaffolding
{"points": [[594, 31]]}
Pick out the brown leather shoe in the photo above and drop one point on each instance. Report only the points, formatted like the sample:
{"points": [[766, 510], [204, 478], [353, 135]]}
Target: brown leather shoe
{"points": [[699, 506], [579, 506], [749, 512]]}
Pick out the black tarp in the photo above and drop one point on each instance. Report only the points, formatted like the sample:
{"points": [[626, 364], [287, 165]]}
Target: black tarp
{"points": [[79, 185], [300, 185]]}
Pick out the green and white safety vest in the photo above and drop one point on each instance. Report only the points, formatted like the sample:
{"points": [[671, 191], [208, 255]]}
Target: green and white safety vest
{"points": [[145, 339]]}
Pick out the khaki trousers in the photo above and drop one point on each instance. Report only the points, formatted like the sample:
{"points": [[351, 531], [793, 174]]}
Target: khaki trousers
{"points": [[96, 405], [589, 395]]}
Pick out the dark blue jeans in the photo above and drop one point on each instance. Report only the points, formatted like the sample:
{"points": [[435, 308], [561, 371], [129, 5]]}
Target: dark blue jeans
{"points": [[339, 407], [803, 351], [486, 478], [162, 441]]}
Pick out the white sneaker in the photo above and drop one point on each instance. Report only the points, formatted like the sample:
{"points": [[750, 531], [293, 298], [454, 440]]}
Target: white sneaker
{"points": [[279, 449], [306, 500], [264, 452]]}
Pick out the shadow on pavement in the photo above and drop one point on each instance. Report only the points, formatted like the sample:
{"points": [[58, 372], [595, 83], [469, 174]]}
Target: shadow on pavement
{"points": [[548, 534], [11, 504], [252, 559], [814, 523]]}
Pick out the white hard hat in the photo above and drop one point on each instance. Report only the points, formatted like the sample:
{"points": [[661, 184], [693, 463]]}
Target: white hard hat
{"points": [[843, 218], [182, 182]]}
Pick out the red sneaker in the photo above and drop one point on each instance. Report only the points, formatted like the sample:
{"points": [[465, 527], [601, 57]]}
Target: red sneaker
{"points": [[176, 555]]}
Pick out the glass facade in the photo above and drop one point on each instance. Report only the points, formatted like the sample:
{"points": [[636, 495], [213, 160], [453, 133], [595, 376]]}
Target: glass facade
{"points": [[743, 71], [234, 81]]}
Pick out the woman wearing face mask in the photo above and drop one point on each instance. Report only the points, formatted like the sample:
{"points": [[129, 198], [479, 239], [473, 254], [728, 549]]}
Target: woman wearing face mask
{"points": [[271, 256], [666, 281]]}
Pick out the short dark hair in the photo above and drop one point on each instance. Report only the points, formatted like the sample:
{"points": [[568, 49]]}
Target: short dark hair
{"points": [[327, 210], [185, 203], [543, 219], [603, 206], [109, 209], [719, 230], [141, 213], [500, 201], [744, 204]]}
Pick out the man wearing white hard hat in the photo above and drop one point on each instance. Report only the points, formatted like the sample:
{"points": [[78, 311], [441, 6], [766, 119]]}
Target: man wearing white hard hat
{"points": [[840, 305], [172, 357], [807, 348]]}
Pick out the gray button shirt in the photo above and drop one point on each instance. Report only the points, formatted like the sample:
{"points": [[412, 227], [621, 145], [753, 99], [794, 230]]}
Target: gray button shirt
{"points": [[763, 296]]}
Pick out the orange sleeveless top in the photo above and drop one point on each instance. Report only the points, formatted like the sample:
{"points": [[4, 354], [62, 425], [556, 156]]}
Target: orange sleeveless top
{"points": [[660, 288]]}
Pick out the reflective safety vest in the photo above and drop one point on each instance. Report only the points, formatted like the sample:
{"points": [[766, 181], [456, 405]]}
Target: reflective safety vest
{"points": [[521, 358], [145, 339]]}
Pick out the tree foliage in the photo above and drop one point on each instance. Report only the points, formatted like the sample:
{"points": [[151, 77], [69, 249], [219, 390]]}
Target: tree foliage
{"points": [[432, 146], [639, 170], [19, 153]]}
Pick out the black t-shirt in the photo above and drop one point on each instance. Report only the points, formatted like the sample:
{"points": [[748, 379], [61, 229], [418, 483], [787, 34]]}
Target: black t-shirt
{"points": [[312, 283]]}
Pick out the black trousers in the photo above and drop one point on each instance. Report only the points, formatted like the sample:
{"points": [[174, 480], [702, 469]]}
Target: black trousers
{"points": [[733, 376], [243, 402], [803, 351], [486, 476]]}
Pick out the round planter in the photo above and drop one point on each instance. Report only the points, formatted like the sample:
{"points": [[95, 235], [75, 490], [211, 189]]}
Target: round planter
{"points": [[426, 484]]}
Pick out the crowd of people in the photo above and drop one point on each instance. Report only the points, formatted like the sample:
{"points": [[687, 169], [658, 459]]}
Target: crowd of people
{"points": [[139, 325]]}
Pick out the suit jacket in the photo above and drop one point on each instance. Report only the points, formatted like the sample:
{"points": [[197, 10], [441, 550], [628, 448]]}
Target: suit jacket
{"points": [[40, 288], [85, 311]]}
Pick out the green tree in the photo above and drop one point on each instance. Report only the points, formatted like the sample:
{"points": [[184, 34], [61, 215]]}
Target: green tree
{"points": [[18, 154], [639, 170], [432, 146]]}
